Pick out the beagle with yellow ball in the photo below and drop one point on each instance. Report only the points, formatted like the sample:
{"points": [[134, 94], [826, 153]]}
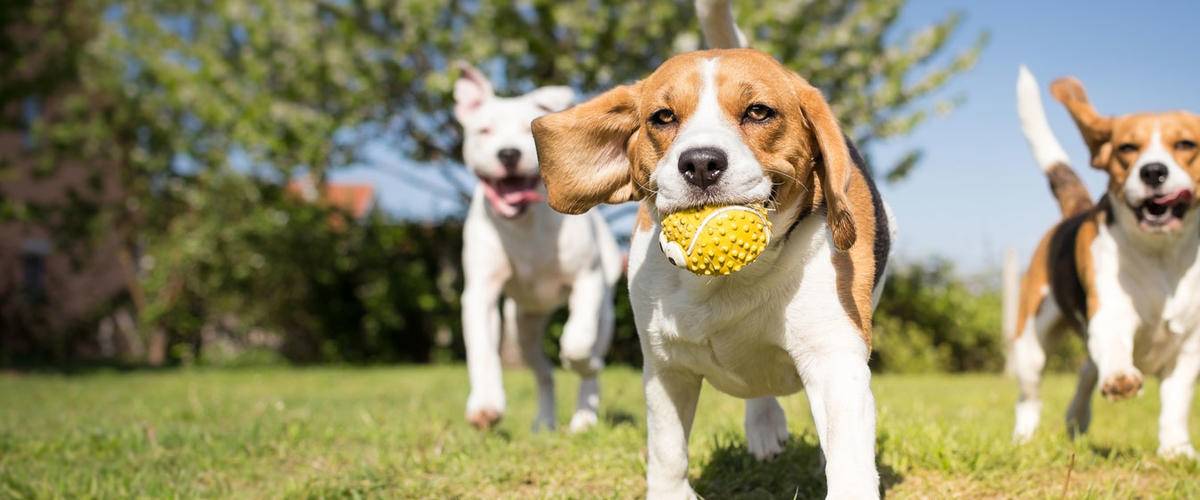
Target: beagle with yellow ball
{"points": [[735, 128]]}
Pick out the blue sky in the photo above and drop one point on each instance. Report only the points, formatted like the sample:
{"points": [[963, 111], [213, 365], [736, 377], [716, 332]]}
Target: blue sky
{"points": [[977, 191]]}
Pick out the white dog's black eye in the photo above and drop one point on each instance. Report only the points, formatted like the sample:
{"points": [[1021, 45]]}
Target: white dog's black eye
{"points": [[1185, 145], [484, 130], [662, 117], [758, 113], [1127, 147]]}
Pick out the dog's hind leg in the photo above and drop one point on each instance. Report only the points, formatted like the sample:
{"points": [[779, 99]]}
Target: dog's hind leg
{"points": [[1177, 389], [1029, 359], [1079, 414], [530, 328], [766, 428]]}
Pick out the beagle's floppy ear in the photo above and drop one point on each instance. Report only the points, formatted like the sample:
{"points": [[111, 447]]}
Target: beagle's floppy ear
{"points": [[584, 152], [834, 165], [1096, 129]]}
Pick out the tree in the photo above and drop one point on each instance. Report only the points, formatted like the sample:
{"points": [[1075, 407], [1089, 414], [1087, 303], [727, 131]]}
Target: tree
{"points": [[206, 106], [276, 80]]}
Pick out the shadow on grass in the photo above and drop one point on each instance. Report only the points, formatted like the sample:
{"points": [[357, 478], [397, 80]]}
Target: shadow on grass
{"points": [[1111, 452], [798, 472], [617, 418]]}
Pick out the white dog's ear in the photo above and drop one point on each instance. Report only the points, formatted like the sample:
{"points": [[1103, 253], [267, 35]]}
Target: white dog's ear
{"points": [[471, 91], [552, 99]]}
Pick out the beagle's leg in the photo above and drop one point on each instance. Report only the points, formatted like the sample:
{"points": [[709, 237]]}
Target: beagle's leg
{"points": [[1110, 343], [585, 340], [838, 384], [1176, 391], [766, 428], [1079, 414], [1029, 358], [481, 334], [530, 327], [671, 397]]}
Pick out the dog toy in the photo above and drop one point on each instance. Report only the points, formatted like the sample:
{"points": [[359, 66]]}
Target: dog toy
{"points": [[715, 240]]}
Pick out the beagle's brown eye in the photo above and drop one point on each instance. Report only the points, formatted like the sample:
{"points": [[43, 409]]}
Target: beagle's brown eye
{"points": [[758, 113], [1127, 147], [662, 117], [1185, 145]]}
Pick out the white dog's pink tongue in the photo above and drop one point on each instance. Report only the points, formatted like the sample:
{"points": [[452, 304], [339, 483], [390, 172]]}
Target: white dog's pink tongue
{"points": [[522, 196], [510, 196]]}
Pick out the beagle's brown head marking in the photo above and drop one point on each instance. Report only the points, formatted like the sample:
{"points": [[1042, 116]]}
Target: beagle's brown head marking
{"points": [[710, 127], [1151, 158]]}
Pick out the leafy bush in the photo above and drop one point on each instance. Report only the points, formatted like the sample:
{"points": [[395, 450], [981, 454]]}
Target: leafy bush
{"points": [[929, 319], [332, 288]]}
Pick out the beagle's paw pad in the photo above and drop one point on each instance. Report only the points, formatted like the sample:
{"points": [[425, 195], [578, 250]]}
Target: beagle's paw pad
{"points": [[1121, 385]]}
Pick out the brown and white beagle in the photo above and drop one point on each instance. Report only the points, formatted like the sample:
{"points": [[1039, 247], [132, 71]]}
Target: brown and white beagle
{"points": [[722, 127], [1123, 271]]}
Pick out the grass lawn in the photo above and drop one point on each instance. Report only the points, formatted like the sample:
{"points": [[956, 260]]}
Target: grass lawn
{"points": [[399, 432]]}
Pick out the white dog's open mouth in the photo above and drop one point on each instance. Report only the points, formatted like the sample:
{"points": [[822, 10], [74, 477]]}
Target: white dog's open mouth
{"points": [[1164, 212], [511, 195]]}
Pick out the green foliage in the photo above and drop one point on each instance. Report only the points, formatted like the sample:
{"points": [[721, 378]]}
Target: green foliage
{"points": [[400, 433], [929, 319], [279, 79], [199, 109], [933, 319], [340, 289]]}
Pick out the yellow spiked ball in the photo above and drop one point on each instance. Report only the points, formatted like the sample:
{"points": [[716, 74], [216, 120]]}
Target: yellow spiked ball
{"points": [[715, 240]]}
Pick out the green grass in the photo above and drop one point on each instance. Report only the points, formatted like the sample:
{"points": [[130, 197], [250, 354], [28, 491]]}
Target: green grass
{"points": [[399, 432]]}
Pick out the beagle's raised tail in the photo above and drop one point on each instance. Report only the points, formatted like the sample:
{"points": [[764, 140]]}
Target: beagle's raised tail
{"points": [[1070, 192], [719, 27]]}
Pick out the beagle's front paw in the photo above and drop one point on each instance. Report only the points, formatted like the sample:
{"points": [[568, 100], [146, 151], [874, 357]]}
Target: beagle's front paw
{"points": [[1122, 384]]}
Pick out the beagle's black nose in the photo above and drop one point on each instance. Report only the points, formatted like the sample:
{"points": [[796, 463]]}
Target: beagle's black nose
{"points": [[702, 166], [509, 157], [1153, 174]]}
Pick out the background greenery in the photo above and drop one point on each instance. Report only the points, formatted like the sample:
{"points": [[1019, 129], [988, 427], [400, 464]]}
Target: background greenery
{"points": [[201, 109]]}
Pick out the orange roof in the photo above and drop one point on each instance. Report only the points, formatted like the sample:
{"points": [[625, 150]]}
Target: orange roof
{"points": [[354, 198], [357, 199]]}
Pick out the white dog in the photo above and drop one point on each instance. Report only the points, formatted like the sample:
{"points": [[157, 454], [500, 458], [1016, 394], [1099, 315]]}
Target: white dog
{"points": [[537, 259], [723, 127]]}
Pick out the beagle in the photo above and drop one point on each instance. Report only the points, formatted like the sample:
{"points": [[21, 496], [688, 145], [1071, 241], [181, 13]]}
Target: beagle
{"points": [[1122, 271], [734, 126], [515, 246]]}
